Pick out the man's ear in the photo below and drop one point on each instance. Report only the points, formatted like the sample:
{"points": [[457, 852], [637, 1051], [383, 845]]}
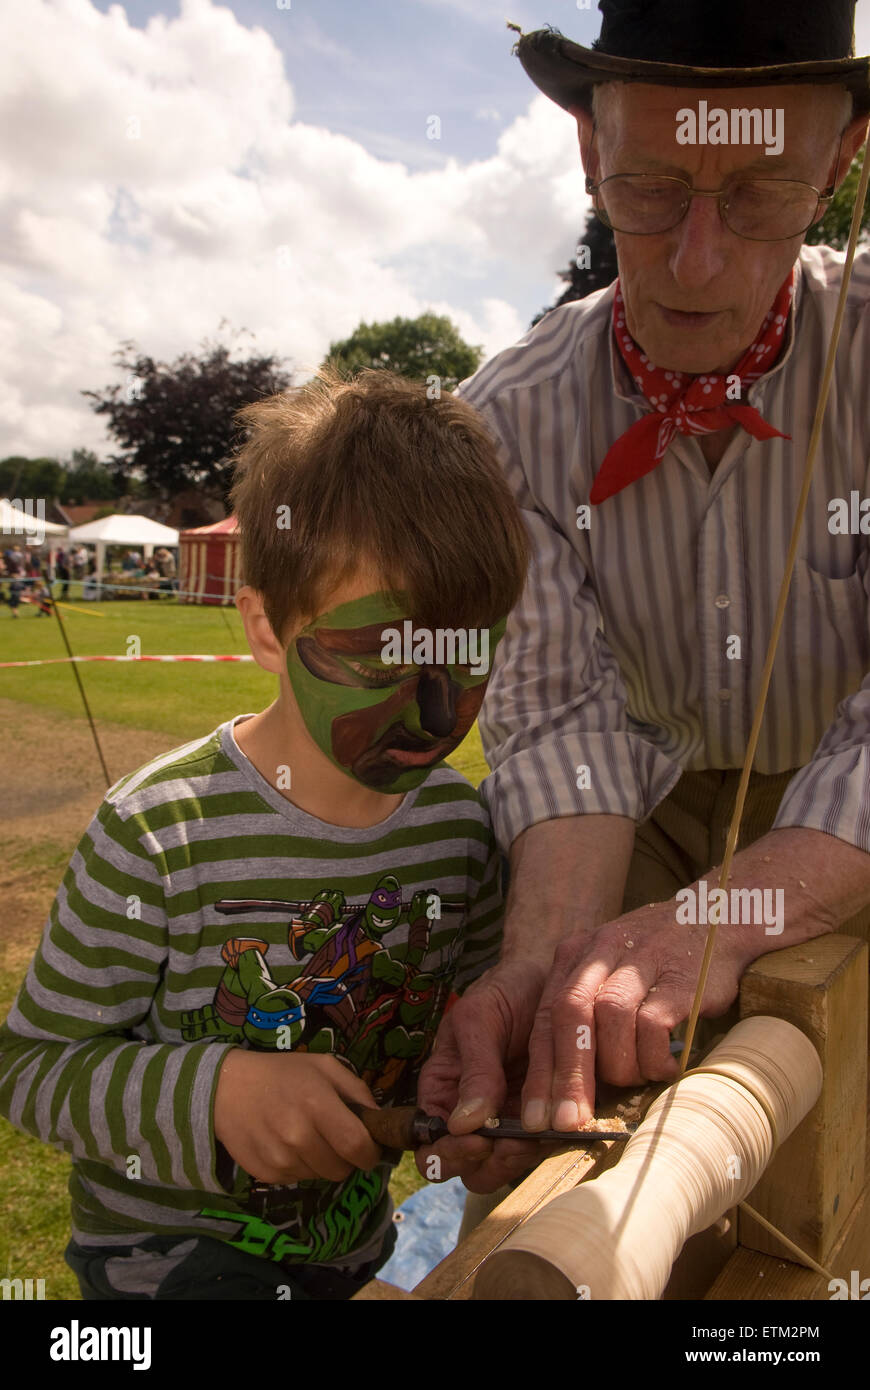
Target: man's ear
{"points": [[588, 147], [265, 647], [853, 138]]}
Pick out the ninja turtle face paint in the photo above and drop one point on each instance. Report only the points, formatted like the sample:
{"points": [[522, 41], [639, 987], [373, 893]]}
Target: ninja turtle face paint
{"points": [[383, 703]]}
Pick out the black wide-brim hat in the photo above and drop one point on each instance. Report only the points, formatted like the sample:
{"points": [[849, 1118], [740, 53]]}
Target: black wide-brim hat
{"points": [[703, 43]]}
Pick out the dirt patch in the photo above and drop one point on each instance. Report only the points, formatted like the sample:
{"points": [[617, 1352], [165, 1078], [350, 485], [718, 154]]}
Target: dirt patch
{"points": [[51, 784]]}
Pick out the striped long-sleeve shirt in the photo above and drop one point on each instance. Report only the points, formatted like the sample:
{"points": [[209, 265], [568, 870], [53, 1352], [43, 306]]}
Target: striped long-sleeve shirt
{"points": [[140, 985], [638, 646]]}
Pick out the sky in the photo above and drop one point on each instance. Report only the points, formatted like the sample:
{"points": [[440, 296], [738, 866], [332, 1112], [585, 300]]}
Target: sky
{"points": [[264, 173]]}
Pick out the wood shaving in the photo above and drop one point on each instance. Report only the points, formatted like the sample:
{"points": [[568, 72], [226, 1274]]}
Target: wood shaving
{"points": [[605, 1123]]}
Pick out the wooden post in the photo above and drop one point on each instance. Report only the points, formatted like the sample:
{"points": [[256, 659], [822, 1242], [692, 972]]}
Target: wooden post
{"points": [[813, 1182], [379, 1291]]}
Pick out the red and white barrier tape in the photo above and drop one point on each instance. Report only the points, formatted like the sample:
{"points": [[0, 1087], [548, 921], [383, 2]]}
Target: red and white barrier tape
{"points": [[57, 660]]}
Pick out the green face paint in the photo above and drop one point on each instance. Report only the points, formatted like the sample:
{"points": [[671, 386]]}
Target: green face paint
{"points": [[375, 696]]}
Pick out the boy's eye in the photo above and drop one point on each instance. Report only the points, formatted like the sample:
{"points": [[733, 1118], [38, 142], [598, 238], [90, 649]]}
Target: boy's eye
{"points": [[382, 675]]}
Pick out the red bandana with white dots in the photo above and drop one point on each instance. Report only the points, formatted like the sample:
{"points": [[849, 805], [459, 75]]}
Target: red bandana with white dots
{"points": [[685, 403]]}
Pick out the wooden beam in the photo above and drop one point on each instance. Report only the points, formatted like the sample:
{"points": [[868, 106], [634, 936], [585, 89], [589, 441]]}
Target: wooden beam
{"points": [[379, 1291], [813, 1182]]}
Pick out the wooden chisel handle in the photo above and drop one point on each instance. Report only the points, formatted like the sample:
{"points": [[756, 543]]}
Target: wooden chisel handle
{"points": [[400, 1126]]}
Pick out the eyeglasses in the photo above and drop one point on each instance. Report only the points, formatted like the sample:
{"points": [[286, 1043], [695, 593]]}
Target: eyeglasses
{"points": [[758, 209]]}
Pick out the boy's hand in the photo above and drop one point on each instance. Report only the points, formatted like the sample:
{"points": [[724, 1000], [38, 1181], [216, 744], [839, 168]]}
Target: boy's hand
{"points": [[284, 1117]]}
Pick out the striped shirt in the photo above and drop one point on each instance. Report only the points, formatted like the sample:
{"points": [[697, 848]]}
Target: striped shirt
{"points": [[638, 646], [140, 986]]}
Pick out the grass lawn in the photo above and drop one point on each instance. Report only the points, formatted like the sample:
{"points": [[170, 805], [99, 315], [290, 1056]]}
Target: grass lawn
{"points": [[148, 700]]}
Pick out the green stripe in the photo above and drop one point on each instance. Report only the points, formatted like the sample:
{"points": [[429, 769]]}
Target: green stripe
{"points": [[457, 848]]}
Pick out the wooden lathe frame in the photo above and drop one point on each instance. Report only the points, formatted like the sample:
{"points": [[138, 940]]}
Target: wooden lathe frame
{"points": [[816, 1190]]}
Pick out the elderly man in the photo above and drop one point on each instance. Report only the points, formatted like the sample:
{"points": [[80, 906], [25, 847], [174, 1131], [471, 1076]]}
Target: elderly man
{"points": [[655, 435]]}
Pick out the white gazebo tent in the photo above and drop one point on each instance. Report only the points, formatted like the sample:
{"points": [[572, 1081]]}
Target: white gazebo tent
{"points": [[139, 531]]}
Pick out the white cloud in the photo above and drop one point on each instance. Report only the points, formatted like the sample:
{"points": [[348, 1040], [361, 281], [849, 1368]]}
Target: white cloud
{"points": [[224, 207]]}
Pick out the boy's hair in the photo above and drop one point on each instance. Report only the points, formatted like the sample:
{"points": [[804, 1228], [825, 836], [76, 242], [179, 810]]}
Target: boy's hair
{"points": [[374, 472]]}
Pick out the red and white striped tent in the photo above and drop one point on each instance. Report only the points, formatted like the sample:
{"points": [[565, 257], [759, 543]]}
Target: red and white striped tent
{"points": [[209, 568]]}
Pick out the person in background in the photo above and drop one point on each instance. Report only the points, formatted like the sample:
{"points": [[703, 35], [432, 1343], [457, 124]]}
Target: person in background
{"points": [[61, 569]]}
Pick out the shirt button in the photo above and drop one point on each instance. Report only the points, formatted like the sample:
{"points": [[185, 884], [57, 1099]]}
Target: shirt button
{"points": [[723, 601], [724, 695]]}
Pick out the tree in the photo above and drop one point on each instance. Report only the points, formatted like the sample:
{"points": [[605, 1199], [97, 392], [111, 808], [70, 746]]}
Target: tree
{"points": [[833, 230], [23, 477], [175, 422], [418, 348], [593, 267], [88, 480]]}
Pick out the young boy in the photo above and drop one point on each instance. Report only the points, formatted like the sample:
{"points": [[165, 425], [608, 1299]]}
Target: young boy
{"points": [[264, 925]]}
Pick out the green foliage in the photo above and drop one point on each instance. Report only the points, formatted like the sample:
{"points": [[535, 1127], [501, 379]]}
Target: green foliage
{"points": [[175, 421], [833, 230], [430, 345], [88, 480], [83, 479], [22, 477]]}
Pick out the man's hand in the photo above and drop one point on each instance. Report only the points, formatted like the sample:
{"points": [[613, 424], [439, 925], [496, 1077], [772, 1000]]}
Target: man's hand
{"points": [[284, 1118], [616, 994], [475, 1072]]}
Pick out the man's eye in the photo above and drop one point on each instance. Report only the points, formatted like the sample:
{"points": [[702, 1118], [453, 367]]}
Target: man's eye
{"points": [[650, 192]]}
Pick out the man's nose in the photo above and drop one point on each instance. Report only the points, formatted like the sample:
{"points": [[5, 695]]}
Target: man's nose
{"points": [[698, 254], [436, 696]]}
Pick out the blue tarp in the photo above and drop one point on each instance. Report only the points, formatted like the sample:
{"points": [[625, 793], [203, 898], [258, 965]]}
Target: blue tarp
{"points": [[427, 1225]]}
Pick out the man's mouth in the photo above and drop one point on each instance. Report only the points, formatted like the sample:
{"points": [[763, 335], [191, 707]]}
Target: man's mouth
{"points": [[688, 318]]}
